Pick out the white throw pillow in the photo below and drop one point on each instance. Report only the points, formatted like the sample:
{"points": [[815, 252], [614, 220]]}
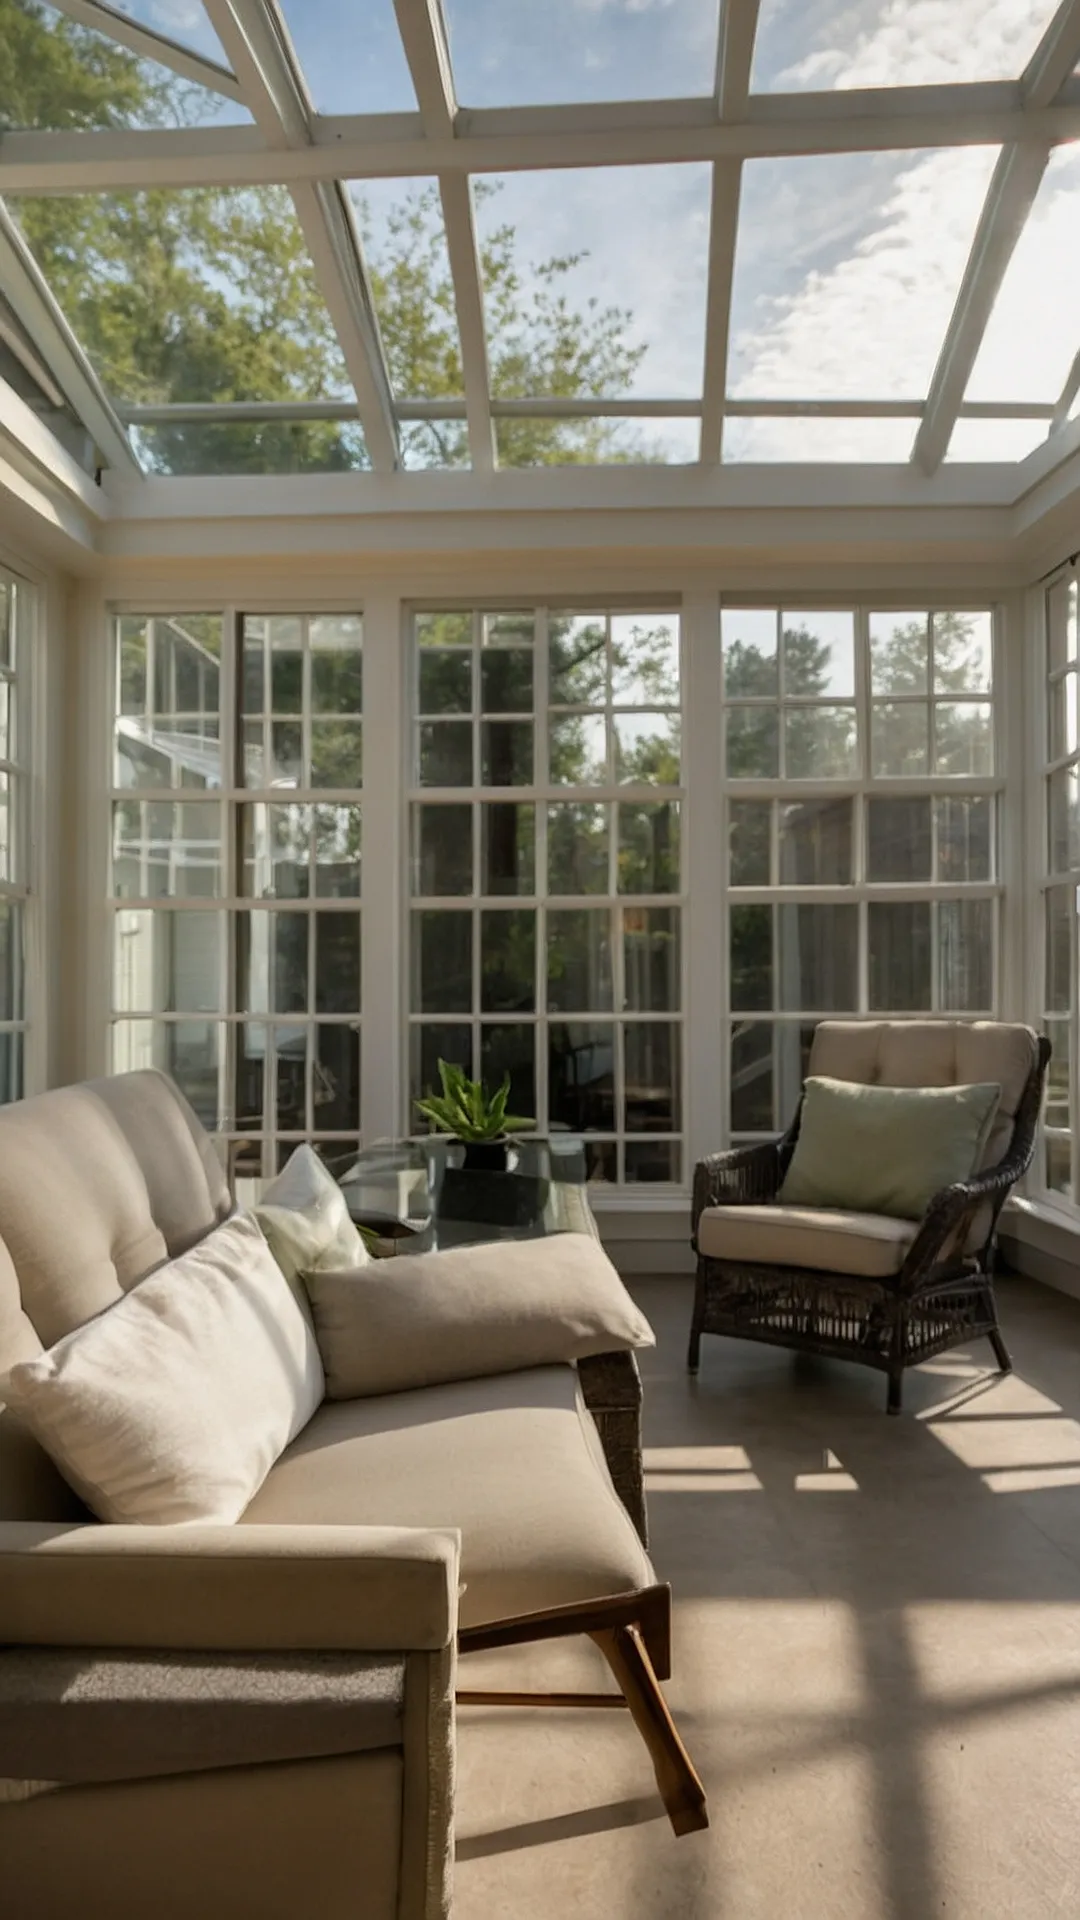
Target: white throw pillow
{"points": [[174, 1404], [423, 1318], [306, 1221]]}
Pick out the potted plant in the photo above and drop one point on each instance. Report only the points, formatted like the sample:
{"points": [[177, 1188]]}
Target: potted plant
{"points": [[476, 1118]]}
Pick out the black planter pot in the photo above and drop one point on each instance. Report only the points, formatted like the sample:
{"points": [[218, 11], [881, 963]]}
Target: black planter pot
{"points": [[485, 1156]]}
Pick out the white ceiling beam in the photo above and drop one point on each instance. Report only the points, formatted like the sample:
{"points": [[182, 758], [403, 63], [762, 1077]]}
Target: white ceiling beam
{"points": [[255, 40], [1012, 190], [152, 46], [423, 33], [1054, 59], [361, 145], [734, 59], [545, 407], [735, 56], [1068, 394], [31, 301]]}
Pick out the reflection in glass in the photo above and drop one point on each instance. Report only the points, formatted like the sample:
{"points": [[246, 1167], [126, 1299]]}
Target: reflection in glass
{"points": [[511, 1050], [648, 857], [507, 847], [818, 654], [644, 660], [506, 753], [577, 750], [769, 1061], [446, 754], [166, 850], [336, 842], [337, 663], [965, 837], [276, 843], [166, 961], [272, 956], [508, 960], [898, 839], [899, 738], [337, 758], [965, 955], [441, 949], [899, 942], [506, 679], [581, 1076], [817, 958], [651, 1091], [749, 843], [444, 679], [753, 743], [577, 661], [963, 737], [751, 958], [899, 652], [815, 843], [577, 848], [646, 748], [579, 960], [650, 1160], [337, 962], [335, 1080], [820, 743], [651, 963], [428, 1044], [442, 850]]}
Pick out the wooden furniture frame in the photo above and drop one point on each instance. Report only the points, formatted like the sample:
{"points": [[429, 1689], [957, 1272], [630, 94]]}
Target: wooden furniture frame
{"points": [[940, 1298], [633, 1632]]}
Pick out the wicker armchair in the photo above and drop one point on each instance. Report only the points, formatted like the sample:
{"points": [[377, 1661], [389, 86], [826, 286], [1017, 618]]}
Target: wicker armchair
{"points": [[859, 1287]]}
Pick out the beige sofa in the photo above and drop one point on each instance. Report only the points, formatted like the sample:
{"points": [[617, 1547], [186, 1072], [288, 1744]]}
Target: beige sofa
{"points": [[258, 1720]]}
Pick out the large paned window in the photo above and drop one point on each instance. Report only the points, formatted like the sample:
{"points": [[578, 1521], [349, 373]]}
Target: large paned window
{"points": [[862, 794], [16, 618], [236, 871], [1061, 893], [545, 918]]}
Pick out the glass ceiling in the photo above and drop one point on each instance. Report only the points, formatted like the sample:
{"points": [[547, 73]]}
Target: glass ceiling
{"points": [[563, 232]]}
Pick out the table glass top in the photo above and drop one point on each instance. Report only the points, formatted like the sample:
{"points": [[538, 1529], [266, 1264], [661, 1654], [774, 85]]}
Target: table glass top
{"points": [[419, 1194]]}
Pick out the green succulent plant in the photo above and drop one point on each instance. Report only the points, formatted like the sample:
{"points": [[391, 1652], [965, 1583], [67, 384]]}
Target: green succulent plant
{"points": [[466, 1111]]}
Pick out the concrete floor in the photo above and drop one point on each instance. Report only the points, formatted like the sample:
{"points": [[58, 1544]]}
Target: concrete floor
{"points": [[877, 1652]]}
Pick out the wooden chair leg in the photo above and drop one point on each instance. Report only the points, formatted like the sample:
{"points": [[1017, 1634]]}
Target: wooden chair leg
{"points": [[693, 1355], [680, 1788], [1001, 1351], [896, 1391]]}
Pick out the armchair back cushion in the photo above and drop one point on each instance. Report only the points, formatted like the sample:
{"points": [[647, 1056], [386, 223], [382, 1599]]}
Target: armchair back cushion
{"points": [[98, 1184], [933, 1053]]}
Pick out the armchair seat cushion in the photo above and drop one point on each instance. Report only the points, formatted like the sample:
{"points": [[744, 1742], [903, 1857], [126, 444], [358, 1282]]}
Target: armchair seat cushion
{"points": [[514, 1461], [872, 1245]]}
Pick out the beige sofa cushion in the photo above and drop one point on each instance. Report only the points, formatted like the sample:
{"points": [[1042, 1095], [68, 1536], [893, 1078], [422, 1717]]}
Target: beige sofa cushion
{"points": [[932, 1053], [870, 1244], [174, 1404], [514, 1461], [424, 1318]]}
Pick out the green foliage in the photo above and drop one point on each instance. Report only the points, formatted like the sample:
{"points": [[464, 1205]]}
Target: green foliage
{"points": [[465, 1110], [208, 294]]}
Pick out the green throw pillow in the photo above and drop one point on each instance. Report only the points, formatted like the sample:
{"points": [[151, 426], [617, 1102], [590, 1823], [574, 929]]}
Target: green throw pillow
{"points": [[885, 1149]]}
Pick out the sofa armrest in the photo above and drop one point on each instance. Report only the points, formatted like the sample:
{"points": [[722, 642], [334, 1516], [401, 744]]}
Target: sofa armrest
{"points": [[250, 1588]]}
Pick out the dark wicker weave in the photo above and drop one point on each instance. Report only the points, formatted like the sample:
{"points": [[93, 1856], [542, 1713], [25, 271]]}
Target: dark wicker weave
{"points": [[611, 1386], [939, 1298]]}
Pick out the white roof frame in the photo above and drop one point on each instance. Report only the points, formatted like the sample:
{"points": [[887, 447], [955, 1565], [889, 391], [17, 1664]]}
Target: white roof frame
{"points": [[492, 140], [423, 33], [152, 46], [1009, 199], [254, 37], [33, 304], [734, 59]]}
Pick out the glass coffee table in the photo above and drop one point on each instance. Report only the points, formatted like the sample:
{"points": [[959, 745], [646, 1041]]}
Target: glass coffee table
{"points": [[417, 1195]]}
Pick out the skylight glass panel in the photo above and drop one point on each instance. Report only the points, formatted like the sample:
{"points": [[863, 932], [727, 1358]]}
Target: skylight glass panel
{"points": [[893, 43], [546, 442], [862, 440], [846, 270], [594, 281], [251, 446], [203, 294], [547, 52], [1009, 440], [60, 76], [351, 55], [404, 240], [183, 21], [1034, 331]]}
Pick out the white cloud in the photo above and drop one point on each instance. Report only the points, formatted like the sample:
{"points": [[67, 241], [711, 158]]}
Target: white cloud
{"points": [[883, 43]]}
